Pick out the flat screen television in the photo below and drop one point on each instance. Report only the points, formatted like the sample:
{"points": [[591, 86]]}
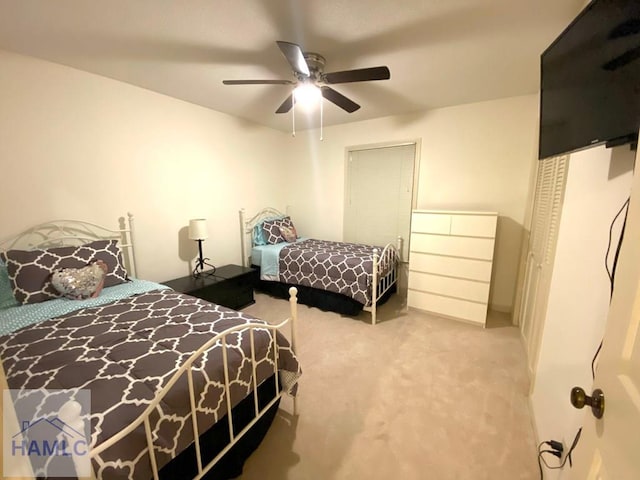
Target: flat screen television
{"points": [[590, 80]]}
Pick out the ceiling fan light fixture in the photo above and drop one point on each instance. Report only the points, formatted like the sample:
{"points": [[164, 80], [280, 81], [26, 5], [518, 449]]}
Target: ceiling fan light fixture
{"points": [[312, 83], [307, 95]]}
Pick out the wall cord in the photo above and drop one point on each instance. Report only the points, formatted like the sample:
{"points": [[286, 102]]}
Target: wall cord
{"points": [[557, 453]]}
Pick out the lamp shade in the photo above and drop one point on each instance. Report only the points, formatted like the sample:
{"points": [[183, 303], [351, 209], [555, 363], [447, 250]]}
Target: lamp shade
{"points": [[198, 229]]}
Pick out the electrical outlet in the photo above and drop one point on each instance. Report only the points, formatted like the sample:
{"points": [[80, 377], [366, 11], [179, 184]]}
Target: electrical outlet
{"points": [[556, 445]]}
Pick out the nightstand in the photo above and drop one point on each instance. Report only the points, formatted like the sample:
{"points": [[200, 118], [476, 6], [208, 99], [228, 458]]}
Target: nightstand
{"points": [[230, 286]]}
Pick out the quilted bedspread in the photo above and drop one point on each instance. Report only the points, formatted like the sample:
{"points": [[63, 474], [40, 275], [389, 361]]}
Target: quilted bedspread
{"points": [[339, 267], [125, 351]]}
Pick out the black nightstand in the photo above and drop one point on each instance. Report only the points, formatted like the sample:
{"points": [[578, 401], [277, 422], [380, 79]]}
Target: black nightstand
{"points": [[230, 286]]}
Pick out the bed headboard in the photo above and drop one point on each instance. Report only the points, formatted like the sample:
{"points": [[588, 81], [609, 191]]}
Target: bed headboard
{"points": [[60, 233], [246, 229]]}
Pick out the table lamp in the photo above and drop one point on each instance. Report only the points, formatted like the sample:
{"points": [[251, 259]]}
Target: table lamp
{"points": [[198, 232]]}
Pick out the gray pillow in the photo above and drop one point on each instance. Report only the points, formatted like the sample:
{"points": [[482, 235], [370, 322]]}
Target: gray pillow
{"points": [[30, 270], [272, 232]]}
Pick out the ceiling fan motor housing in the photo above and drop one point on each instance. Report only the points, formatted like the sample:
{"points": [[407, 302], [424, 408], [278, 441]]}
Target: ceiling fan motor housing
{"points": [[316, 63]]}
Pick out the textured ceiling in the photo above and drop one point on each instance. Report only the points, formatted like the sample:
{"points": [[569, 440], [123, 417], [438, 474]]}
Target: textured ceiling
{"points": [[440, 52]]}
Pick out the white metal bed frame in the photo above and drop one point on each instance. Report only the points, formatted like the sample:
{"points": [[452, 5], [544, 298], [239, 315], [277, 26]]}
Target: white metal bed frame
{"points": [[379, 284], [72, 232]]}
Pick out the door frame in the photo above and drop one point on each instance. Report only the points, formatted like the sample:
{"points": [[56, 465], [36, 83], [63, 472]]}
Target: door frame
{"points": [[417, 143]]}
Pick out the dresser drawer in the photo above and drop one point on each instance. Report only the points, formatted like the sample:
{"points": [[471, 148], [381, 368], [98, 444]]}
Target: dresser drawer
{"points": [[452, 307], [452, 266], [468, 247], [474, 225], [431, 223], [451, 287]]}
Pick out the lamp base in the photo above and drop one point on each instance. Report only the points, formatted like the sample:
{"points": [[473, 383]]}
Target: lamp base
{"points": [[199, 270], [201, 262]]}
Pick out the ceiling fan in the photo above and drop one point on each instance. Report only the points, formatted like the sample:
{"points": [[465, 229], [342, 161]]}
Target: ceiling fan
{"points": [[308, 69]]}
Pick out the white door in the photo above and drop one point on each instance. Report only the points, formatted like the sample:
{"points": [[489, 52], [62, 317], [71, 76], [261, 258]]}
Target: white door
{"points": [[379, 195], [609, 447]]}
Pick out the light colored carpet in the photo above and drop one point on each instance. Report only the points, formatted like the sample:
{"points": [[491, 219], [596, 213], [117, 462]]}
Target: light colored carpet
{"points": [[414, 397]]}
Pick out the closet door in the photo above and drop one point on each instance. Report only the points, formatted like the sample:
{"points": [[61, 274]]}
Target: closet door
{"points": [[379, 195], [549, 194]]}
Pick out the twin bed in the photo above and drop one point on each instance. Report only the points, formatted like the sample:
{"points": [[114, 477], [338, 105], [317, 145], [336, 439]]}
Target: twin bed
{"points": [[178, 386], [337, 276]]}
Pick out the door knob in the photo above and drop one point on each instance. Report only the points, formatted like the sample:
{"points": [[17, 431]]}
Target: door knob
{"points": [[596, 401]]}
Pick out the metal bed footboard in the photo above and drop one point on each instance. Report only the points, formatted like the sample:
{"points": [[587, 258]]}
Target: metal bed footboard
{"points": [[74, 416], [381, 284]]}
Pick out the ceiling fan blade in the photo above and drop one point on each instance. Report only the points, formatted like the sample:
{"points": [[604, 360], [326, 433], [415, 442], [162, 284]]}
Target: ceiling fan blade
{"points": [[339, 99], [295, 57], [359, 75], [286, 105], [258, 82]]}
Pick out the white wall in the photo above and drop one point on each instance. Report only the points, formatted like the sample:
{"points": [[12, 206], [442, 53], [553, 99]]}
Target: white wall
{"points": [[598, 183], [476, 157], [77, 145], [74, 144]]}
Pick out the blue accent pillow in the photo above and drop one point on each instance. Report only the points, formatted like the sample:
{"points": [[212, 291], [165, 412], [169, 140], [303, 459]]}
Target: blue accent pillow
{"points": [[258, 235], [6, 294]]}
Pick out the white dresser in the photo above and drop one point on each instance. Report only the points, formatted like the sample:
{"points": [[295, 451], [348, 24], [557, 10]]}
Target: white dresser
{"points": [[450, 259]]}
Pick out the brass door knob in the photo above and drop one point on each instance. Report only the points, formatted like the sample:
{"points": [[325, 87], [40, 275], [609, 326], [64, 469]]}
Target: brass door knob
{"points": [[596, 401]]}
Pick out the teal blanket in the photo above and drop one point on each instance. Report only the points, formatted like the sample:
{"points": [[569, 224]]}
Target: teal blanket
{"points": [[15, 318]]}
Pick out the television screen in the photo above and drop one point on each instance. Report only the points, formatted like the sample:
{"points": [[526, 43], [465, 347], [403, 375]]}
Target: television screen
{"points": [[590, 83]]}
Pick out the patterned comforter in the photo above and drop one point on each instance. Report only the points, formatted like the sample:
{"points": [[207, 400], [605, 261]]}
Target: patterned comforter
{"points": [[126, 351], [339, 267]]}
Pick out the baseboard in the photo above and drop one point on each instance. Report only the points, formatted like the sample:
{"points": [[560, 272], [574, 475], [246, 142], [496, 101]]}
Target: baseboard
{"points": [[501, 308], [532, 416]]}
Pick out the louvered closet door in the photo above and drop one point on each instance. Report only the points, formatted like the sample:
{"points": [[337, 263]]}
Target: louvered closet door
{"points": [[549, 194]]}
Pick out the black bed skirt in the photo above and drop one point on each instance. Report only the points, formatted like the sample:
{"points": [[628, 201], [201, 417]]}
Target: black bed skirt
{"points": [[217, 437], [322, 299]]}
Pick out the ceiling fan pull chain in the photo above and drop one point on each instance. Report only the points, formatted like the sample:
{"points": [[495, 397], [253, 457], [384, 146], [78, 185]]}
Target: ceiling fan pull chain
{"points": [[293, 113], [321, 116]]}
